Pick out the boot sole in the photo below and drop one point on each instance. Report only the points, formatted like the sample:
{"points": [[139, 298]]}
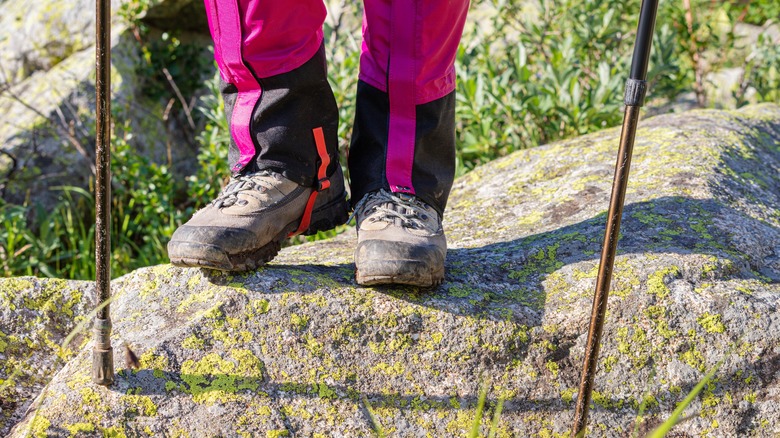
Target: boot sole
{"points": [[324, 218], [406, 272]]}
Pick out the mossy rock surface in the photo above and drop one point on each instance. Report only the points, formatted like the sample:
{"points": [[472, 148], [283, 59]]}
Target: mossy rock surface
{"points": [[298, 349], [36, 317]]}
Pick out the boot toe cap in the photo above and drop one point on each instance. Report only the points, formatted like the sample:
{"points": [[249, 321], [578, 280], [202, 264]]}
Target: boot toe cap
{"points": [[208, 246], [384, 262]]}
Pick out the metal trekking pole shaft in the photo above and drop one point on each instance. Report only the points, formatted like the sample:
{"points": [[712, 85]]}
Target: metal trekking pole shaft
{"points": [[636, 88], [102, 354]]}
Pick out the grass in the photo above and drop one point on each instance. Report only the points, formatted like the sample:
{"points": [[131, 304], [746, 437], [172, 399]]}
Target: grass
{"points": [[380, 431], [496, 418], [474, 433], [676, 417]]}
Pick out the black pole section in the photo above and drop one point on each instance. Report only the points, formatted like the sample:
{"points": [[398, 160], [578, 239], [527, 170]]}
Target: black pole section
{"points": [[644, 39], [634, 99], [103, 354]]}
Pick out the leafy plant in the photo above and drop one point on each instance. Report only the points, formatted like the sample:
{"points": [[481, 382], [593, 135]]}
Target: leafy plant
{"points": [[550, 70], [60, 242], [214, 141], [143, 208], [757, 11], [55, 243], [168, 61], [133, 10], [704, 37], [762, 74], [342, 36]]}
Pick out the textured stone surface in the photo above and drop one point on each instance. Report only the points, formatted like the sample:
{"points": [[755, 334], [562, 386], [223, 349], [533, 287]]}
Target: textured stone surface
{"points": [[39, 35], [36, 316], [47, 92], [298, 348]]}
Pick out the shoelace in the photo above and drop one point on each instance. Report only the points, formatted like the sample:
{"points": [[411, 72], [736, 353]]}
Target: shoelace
{"points": [[376, 202], [237, 184]]}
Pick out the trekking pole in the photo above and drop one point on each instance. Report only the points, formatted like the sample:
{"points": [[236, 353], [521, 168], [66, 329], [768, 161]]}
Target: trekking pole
{"points": [[103, 354], [636, 86]]}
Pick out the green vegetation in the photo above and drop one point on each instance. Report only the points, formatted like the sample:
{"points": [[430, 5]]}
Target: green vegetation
{"points": [[530, 73], [380, 431], [474, 433], [676, 417]]}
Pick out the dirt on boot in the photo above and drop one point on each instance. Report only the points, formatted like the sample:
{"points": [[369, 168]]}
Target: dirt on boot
{"points": [[244, 227], [400, 241]]}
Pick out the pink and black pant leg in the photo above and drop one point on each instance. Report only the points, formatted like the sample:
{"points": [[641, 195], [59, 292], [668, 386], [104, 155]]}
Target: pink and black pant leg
{"points": [[404, 133], [274, 82], [272, 62]]}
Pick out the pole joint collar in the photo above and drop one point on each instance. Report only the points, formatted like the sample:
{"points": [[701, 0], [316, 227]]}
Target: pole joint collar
{"points": [[102, 334], [102, 354], [635, 92]]}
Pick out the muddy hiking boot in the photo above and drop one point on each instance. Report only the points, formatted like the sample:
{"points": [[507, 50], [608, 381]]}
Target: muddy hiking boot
{"points": [[400, 241], [244, 227]]}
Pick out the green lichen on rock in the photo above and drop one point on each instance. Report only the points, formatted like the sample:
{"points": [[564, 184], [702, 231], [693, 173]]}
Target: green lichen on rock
{"points": [[139, 405], [656, 282], [39, 427], [214, 379], [156, 363], [39, 314], [711, 323], [193, 342], [10, 288], [543, 261], [659, 315], [78, 428]]}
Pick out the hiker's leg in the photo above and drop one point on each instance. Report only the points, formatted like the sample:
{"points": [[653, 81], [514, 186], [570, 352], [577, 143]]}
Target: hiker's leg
{"points": [[404, 139], [405, 100], [277, 95], [276, 91]]}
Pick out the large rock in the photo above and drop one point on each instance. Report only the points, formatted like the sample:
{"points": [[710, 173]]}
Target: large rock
{"points": [[36, 317], [297, 348], [47, 92], [37, 36]]}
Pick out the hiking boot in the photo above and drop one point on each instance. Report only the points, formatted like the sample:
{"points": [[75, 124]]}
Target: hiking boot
{"points": [[400, 241], [244, 227]]}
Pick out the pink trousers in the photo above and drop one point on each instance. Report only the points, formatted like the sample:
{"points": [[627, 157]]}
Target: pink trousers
{"points": [[407, 81]]}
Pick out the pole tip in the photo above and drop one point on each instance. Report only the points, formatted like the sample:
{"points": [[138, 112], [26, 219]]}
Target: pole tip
{"points": [[103, 366]]}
